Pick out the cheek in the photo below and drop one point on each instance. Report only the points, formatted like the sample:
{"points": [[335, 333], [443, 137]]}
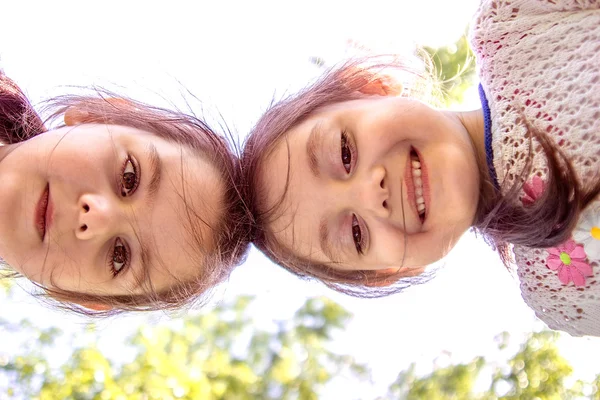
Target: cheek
{"points": [[74, 271], [42, 268], [426, 248], [379, 146], [80, 165], [455, 174], [390, 244], [464, 185]]}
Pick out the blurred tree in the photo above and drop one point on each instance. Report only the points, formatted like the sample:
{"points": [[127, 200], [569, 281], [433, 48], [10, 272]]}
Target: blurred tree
{"points": [[453, 382], [536, 371], [197, 360], [6, 281], [454, 66], [22, 372], [220, 355]]}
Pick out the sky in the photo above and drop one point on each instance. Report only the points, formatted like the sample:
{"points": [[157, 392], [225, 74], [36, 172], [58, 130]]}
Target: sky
{"points": [[235, 56]]}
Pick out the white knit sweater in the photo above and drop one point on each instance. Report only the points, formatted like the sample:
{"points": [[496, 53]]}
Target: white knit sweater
{"points": [[539, 63]]}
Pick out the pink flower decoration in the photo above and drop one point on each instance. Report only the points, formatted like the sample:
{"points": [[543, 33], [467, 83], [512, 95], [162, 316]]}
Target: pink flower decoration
{"points": [[569, 260], [533, 190]]}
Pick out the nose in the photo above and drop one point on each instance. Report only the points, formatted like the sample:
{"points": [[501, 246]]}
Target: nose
{"points": [[373, 192], [97, 217]]}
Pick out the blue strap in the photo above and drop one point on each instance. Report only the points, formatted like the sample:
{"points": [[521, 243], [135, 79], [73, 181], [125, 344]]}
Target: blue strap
{"points": [[489, 153]]}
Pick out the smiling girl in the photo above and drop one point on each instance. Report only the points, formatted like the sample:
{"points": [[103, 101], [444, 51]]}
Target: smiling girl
{"points": [[120, 206], [358, 183]]}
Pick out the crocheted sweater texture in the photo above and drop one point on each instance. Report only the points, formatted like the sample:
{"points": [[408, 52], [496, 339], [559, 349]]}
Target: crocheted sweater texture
{"points": [[539, 64]]}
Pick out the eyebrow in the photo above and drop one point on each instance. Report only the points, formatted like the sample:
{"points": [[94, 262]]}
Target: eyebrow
{"points": [[325, 239], [312, 145], [155, 166]]}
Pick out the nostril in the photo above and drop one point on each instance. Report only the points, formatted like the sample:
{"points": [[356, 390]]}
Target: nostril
{"points": [[381, 183], [385, 205], [83, 228], [86, 208]]}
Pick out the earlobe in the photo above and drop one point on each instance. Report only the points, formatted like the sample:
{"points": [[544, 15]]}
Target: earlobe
{"points": [[382, 86]]}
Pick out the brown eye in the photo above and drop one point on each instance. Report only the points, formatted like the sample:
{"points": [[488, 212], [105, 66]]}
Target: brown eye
{"points": [[119, 258], [129, 179], [346, 153], [357, 235]]}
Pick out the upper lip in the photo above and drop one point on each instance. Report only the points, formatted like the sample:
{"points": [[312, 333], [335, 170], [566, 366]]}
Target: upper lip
{"points": [[42, 217]]}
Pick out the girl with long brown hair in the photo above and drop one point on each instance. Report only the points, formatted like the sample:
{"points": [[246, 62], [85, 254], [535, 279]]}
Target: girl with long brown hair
{"points": [[112, 205], [356, 182]]}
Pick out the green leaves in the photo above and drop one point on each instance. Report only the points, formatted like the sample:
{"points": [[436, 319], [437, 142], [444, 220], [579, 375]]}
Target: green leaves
{"points": [[454, 66], [213, 355], [220, 354], [6, 281], [536, 371]]}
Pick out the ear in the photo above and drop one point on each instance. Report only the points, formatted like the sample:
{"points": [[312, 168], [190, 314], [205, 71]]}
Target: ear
{"points": [[384, 273], [382, 86], [393, 275], [77, 114], [96, 307]]}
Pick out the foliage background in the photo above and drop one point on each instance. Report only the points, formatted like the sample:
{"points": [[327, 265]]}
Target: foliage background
{"points": [[219, 354]]}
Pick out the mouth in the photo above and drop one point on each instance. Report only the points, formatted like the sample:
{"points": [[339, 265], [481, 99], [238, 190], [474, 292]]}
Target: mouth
{"points": [[417, 184], [43, 213]]}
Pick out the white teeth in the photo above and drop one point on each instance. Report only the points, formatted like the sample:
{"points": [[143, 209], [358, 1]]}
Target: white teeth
{"points": [[418, 183]]}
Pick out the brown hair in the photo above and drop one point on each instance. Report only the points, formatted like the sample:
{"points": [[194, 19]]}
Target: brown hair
{"points": [[499, 218], [19, 122]]}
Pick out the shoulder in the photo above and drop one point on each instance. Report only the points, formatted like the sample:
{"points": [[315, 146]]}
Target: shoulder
{"points": [[543, 75], [506, 21], [562, 284], [507, 10]]}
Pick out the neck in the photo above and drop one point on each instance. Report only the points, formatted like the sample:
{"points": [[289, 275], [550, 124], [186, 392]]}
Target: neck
{"points": [[474, 125]]}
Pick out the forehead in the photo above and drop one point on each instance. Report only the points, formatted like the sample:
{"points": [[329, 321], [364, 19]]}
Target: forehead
{"points": [[186, 212], [289, 193]]}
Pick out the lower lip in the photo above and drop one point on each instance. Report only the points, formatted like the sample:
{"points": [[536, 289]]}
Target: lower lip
{"points": [[43, 213], [410, 186]]}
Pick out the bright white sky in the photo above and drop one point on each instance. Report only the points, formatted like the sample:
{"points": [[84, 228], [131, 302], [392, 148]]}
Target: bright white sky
{"points": [[235, 56]]}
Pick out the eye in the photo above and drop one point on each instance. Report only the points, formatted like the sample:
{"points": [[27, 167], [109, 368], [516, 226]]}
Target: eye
{"points": [[129, 178], [346, 152], [357, 235], [119, 258]]}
